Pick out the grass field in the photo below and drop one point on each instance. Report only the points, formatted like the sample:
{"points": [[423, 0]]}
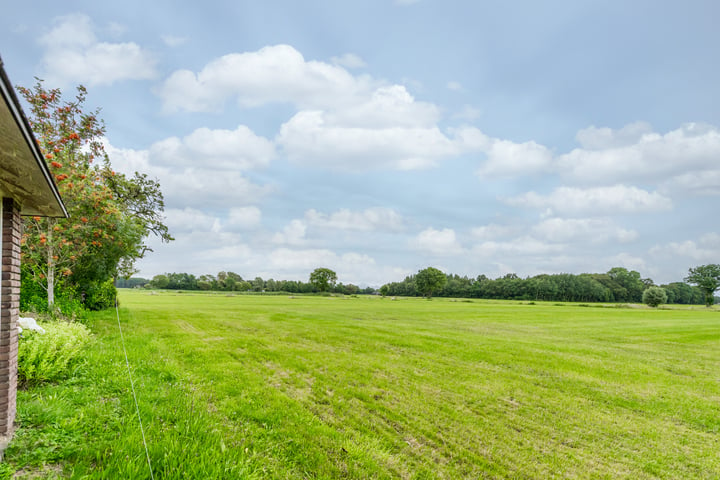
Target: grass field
{"points": [[325, 387]]}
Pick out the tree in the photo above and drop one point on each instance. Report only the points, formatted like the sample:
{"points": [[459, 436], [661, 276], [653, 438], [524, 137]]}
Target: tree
{"points": [[323, 278], [110, 214], [429, 280], [160, 281], [707, 278], [654, 296]]}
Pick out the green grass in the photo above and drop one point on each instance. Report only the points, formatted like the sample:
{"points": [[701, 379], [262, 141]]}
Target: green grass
{"points": [[327, 387]]}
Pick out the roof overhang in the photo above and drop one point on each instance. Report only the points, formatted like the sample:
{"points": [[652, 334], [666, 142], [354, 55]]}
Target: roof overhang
{"points": [[24, 174]]}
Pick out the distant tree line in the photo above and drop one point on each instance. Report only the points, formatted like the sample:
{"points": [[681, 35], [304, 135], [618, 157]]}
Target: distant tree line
{"points": [[617, 285], [232, 282]]}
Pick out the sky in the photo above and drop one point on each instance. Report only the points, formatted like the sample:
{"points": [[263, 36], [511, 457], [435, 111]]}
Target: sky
{"points": [[381, 137]]}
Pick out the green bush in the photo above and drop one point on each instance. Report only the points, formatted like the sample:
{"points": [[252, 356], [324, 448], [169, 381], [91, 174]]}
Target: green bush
{"points": [[49, 356], [33, 298], [654, 296], [100, 296]]}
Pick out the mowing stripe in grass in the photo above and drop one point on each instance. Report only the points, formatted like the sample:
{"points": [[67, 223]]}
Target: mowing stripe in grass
{"points": [[132, 387]]}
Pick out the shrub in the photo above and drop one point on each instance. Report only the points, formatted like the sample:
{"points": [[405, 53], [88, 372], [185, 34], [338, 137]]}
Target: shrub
{"points": [[100, 296], [654, 296], [49, 356], [33, 298]]}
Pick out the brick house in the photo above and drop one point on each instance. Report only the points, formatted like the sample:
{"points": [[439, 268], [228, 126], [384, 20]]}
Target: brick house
{"points": [[26, 188]]}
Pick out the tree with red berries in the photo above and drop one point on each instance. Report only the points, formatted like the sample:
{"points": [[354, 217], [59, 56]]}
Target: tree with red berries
{"points": [[110, 214]]}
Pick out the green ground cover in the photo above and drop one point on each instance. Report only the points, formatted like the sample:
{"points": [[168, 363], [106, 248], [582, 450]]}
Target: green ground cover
{"points": [[326, 387]]}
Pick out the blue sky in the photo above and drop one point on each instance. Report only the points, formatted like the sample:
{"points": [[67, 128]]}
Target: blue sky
{"points": [[380, 137]]}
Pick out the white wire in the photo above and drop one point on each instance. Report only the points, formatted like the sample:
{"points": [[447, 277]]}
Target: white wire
{"points": [[132, 386]]}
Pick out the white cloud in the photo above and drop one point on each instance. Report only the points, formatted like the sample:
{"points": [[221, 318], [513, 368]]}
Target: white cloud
{"points": [[309, 139], [593, 138], [190, 220], [453, 85], [584, 229], [492, 231], [272, 74], [468, 112], [635, 153], [386, 107], [342, 121], [628, 261], [371, 219], [349, 60], [598, 201], [437, 242], [173, 40], [185, 186], [705, 182], [506, 158], [706, 249], [238, 149], [73, 54], [244, 217], [518, 247], [292, 234]]}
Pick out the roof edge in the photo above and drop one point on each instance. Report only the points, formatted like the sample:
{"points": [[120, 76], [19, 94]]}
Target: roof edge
{"points": [[8, 92]]}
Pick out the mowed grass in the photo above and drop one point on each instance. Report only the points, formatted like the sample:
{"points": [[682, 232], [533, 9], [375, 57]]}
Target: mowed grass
{"points": [[326, 387]]}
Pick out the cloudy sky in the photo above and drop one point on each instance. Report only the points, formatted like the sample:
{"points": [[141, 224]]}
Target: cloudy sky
{"points": [[380, 137]]}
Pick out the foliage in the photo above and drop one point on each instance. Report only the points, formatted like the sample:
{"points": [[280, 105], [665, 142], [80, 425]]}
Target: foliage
{"points": [[33, 298], [132, 282], [100, 295], [707, 278], [654, 296], [110, 214], [49, 356], [6, 471], [323, 279], [618, 285], [429, 280]]}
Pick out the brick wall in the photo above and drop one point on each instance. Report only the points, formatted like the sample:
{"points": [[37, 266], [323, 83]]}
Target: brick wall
{"points": [[9, 312]]}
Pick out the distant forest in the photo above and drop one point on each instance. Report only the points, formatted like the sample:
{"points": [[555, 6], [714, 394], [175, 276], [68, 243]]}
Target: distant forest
{"points": [[617, 285]]}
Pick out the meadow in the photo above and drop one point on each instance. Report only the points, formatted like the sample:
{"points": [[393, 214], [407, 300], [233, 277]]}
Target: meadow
{"points": [[255, 386]]}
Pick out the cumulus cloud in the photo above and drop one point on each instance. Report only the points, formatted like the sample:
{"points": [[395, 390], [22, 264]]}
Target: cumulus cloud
{"points": [[594, 138], [173, 40], [504, 158], [73, 54], [244, 217], [349, 60], [591, 230], [371, 219], [636, 153], [272, 74], [292, 234], [309, 138], [437, 242], [342, 121], [516, 247], [238, 149], [706, 249], [597, 201], [493, 231], [185, 185], [191, 220]]}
